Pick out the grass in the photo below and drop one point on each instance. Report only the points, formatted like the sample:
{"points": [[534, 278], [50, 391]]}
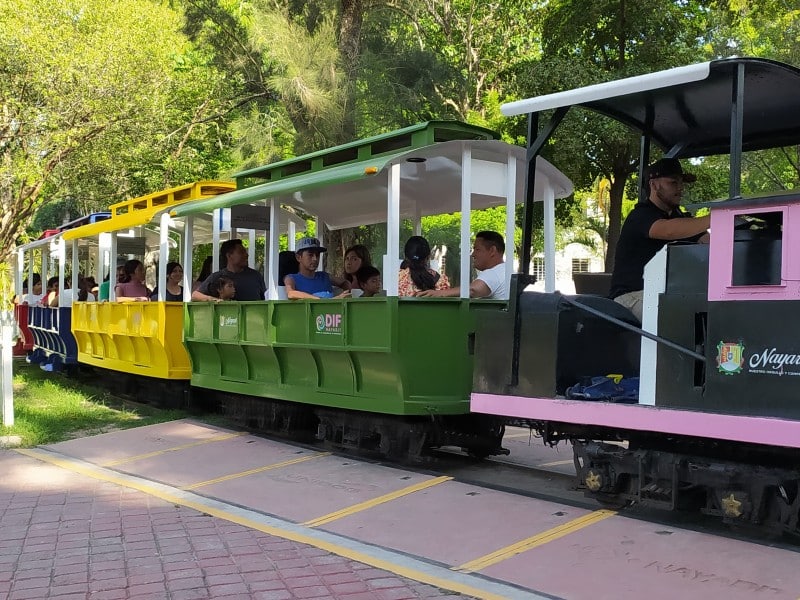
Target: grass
{"points": [[50, 408]]}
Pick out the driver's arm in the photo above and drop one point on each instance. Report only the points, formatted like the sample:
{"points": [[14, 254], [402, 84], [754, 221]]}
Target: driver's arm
{"points": [[678, 229]]}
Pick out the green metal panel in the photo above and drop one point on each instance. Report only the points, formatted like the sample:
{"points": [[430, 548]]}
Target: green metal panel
{"points": [[389, 355]]}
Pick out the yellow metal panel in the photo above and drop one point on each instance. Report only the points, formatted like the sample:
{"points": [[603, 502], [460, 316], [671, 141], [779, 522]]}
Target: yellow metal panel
{"points": [[144, 338], [142, 210]]}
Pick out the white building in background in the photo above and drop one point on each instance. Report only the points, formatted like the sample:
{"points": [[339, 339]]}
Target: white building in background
{"points": [[573, 258]]}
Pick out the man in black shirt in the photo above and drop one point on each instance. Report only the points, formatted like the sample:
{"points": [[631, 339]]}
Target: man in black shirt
{"points": [[249, 283], [651, 224]]}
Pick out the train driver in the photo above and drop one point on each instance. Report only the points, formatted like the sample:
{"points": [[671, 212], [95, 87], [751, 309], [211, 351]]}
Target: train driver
{"points": [[649, 226]]}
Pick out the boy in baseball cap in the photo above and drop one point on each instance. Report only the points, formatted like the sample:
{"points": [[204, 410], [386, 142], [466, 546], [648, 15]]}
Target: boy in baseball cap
{"points": [[308, 282]]}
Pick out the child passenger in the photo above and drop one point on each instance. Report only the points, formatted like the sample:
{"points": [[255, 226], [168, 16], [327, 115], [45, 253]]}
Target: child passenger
{"points": [[369, 280], [222, 289]]}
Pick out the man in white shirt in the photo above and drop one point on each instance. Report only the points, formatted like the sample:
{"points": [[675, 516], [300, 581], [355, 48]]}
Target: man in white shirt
{"points": [[487, 257]]}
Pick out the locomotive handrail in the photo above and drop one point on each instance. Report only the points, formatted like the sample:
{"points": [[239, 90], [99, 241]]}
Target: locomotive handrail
{"points": [[633, 328]]}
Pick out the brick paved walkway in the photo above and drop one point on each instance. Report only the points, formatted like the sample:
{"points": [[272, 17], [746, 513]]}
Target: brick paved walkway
{"points": [[65, 536]]}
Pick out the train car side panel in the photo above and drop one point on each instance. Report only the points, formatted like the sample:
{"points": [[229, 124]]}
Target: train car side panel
{"points": [[143, 338]]}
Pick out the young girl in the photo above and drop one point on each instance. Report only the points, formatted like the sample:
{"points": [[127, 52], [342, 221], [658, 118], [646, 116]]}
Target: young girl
{"points": [[222, 289]]}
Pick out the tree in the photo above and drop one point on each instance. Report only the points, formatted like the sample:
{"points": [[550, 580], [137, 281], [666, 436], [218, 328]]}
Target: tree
{"points": [[76, 74], [426, 59], [591, 42]]}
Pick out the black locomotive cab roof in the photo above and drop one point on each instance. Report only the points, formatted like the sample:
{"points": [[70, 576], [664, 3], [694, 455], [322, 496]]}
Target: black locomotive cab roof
{"points": [[688, 109]]}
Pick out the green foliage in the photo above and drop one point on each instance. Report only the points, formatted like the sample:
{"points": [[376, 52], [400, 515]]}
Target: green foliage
{"points": [[6, 287], [99, 100]]}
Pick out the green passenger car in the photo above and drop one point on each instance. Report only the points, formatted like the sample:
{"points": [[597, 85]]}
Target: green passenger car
{"points": [[406, 360]]}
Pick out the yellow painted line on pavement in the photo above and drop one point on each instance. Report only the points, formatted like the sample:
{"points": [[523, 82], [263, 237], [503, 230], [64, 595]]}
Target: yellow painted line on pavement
{"points": [[536, 540], [557, 463], [339, 514], [218, 438], [285, 463], [340, 550]]}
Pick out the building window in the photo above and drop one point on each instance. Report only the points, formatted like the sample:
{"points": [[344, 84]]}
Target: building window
{"points": [[538, 268], [580, 265]]}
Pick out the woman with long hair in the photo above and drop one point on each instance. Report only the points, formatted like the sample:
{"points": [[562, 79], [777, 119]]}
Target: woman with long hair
{"points": [[174, 291], [205, 271], [131, 286], [415, 274], [355, 257]]}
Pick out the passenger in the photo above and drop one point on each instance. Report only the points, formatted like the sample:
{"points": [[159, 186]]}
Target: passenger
{"points": [[174, 292], [249, 283], [222, 289], [131, 288], [415, 274], [66, 297], [369, 281], [32, 296], [91, 287], [103, 289], [649, 226], [85, 286], [308, 282], [355, 257], [487, 257], [205, 271], [50, 297]]}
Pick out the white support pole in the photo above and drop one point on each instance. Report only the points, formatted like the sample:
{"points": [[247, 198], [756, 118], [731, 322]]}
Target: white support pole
{"points": [[511, 200], [466, 205], [20, 273], [215, 223], [61, 256], [392, 257], [292, 234], [549, 235], [187, 242], [251, 249], [163, 255], [321, 238], [112, 268], [7, 326], [272, 248], [417, 219], [30, 269], [76, 267], [106, 262], [43, 250]]}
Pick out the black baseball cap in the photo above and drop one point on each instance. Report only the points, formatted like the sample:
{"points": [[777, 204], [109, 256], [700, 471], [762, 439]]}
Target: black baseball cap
{"points": [[669, 167]]}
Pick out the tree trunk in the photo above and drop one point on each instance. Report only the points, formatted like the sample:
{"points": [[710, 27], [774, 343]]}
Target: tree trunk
{"points": [[351, 20], [615, 194]]}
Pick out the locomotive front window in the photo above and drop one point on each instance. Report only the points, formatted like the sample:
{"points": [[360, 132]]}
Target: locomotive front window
{"points": [[757, 248]]}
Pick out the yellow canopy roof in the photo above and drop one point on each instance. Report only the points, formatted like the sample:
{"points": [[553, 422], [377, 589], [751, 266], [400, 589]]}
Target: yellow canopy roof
{"points": [[142, 210]]}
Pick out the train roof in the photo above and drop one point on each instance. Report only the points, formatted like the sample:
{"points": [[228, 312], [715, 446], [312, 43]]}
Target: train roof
{"points": [[407, 138], [142, 210], [355, 193], [688, 109]]}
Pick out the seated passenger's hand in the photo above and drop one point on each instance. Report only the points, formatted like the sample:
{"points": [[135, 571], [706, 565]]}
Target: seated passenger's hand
{"points": [[426, 294], [344, 294]]}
